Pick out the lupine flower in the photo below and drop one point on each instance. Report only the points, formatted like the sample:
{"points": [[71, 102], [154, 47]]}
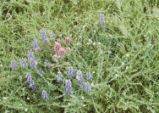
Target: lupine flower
{"points": [[68, 86], [35, 45], [23, 62], [53, 36], [87, 87], [31, 55], [30, 82], [43, 34], [46, 42], [55, 56], [45, 95], [14, 65], [88, 76], [61, 52], [41, 72], [70, 73], [79, 78], [67, 40], [32, 59], [68, 49], [33, 63], [59, 77], [102, 21], [57, 46], [47, 63]]}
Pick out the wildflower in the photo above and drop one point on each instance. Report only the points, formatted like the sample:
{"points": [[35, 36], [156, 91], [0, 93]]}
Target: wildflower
{"points": [[33, 63], [87, 87], [9, 16], [46, 42], [59, 77], [43, 34], [88, 76], [31, 55], [45, 95], [70, 73], [102, 21], [55, 56], [53, 36], [61, 52], [57, 46], [51, 66], [35, 45], [23, 62], [67, 40], [32, 59], [30, 82], [14, 65], [68, 49], [41, 72], [58, 41], [38, 49], [79, 78], [68, 86]]}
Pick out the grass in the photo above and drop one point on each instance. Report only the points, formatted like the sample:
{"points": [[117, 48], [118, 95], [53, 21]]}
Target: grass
{"points": [[125, 66]]}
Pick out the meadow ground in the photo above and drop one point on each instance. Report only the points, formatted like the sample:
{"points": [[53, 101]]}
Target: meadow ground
{"points": [[123, 59]]}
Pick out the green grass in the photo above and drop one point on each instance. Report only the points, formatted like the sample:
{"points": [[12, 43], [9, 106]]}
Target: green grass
{"points": [[125, 66]]}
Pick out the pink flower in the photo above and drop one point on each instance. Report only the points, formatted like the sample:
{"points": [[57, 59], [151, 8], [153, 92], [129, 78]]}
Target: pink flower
{"points": [[67, 40], [51, 66], [8, 15], [38, 49], [55, 56], [68, 49], [57, 46], [61, 52]]}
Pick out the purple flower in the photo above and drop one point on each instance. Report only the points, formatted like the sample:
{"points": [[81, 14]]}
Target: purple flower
{"points": [[88, 76], [30, 82], [45, 95], [33, 63], [41, 72], [102, 21], [32, 59], [47, 63], [14, 65], [43, 34], [23, 62], [31, 55], [87, 87], [68, 86], [46, 42], [79, 78], [59, 77], [53, 36], [35, 45], [70, 73]]}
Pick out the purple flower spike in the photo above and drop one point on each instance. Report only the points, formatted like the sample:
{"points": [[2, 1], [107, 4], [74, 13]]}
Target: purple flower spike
{"points": [[35, 45], [102, 21], [79, 78], [31, 55], [88, 76], [41, 72], [14, 65], [45, 95], [46, 42], [43, 34], [70, 73], [23, 62], [33, 63], [87, 87], [53, 36], [68, 86], [59, 77], [30, 82]]}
